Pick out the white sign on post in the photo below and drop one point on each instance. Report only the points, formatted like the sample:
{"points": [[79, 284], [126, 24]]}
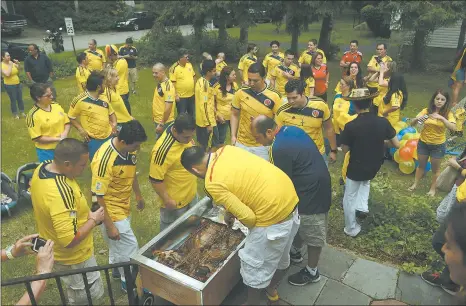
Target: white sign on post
{"points": [[69, 26]]}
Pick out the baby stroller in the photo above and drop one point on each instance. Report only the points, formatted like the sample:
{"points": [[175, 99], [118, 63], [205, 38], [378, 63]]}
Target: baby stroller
{"points": [[15, 192]]}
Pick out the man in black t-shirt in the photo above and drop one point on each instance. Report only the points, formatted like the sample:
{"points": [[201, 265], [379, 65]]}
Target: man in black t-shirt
{"points": [[364, 138], [296, 154], [130, 54]]}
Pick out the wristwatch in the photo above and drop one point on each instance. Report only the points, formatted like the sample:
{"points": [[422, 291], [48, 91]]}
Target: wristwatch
{"points": [[8, 252]]}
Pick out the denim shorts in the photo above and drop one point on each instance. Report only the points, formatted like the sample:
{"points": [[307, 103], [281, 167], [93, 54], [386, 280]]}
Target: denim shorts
{"points": [[434, 151]]}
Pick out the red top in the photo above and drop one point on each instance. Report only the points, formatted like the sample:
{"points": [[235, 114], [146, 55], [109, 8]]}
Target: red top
{"points": [[320, 77]]}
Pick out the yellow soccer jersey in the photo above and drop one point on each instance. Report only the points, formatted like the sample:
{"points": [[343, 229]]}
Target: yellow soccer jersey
{"points": [[271, 61], [244, 63], [121, 66], [165, 166], [306, 57], [82, 73], [252, 104], [220, 66], [223, 102], [163, 94], [382, 92], [44, 123], [255, 191], [461, 192], [96, 59], [310, 84], [310, 119], [340, 107], [373, 63], [280, 80], [93, 115], [60, 209], [395, 101], [13, 79], [115, 100], [434, 130], [183, 78], [112, 177], [205, 103]]}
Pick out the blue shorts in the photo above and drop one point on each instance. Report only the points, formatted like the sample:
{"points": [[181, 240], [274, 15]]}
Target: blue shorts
{"points": [[434, 151], [44, 154], [94, 145], [460, 77]]}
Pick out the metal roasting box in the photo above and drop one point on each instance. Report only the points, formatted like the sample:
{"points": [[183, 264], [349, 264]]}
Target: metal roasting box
{"points": [[175, 286]]}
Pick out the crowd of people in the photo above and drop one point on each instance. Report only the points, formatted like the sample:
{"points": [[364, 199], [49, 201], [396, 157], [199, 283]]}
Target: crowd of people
{"points": [[282, 130]]}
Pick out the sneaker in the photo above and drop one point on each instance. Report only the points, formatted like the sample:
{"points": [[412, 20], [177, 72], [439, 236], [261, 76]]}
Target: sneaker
{"points": [[296, 257], [116, 273], [16, 117], [431, 278], [303, 277], [354, 232], [451, 288], [134, 92], [123, 286]]}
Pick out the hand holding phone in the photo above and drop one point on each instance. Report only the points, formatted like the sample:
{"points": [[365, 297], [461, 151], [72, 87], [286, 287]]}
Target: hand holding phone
{"points": [[37, 243]]}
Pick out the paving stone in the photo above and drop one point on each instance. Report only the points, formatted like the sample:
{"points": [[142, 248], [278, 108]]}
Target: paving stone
{"points": [[413, 290], [389, 302], [376, 280], [305, 295], [336, 293], [334, 263]]}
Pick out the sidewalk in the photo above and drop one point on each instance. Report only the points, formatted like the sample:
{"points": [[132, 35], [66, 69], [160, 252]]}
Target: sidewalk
{"points": [[349, 280]]}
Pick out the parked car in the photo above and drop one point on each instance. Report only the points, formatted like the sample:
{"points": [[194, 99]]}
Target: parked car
{"points": [[17, 51], [136, 21], [12, 24]]}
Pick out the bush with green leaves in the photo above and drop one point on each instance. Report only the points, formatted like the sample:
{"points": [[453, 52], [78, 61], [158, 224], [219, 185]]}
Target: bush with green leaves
{"points": [[376, 20]]}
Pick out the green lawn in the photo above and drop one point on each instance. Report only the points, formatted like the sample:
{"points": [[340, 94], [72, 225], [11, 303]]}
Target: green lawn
{"points": [[397, 231]]}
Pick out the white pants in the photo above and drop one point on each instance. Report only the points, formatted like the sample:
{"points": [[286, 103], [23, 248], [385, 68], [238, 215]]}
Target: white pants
{"points": [[356, 198], [260, 151], [121, 250]]}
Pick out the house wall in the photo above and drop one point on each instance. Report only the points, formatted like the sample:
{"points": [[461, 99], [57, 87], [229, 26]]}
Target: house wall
{"points": [[445, 37]]}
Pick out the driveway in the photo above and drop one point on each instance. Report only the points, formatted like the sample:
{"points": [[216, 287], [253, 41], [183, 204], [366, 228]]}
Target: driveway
{"points": [[33, 35]]}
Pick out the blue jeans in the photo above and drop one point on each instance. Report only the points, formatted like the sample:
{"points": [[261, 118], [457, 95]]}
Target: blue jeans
{"points": [[94, 144], [16, 96], [44, 154]]}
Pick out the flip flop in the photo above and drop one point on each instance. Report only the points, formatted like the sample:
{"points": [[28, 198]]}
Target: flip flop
{"points": [[272, 298]]}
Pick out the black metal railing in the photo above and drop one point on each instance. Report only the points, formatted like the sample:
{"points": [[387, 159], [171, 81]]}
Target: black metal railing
{"points": [[130, 272]]}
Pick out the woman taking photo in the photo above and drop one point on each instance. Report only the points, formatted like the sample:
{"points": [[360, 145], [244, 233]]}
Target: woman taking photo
{"points": [[307, 77], [47, 122], [436, 119], [111, 96], [341, 107], [10, 70], [382, 77], [223, 97], [395, 99], [355, 73], [321, 76]]}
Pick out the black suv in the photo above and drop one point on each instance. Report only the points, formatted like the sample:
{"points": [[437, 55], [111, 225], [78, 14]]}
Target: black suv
{"points": [[17, 51], [136, 21]]}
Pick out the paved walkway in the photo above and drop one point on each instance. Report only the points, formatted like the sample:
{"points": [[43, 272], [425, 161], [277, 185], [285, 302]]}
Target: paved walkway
{"points": [[349, 280]]}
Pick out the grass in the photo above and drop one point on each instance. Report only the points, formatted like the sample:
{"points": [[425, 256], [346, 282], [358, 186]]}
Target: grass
{"points": [[17, 149]]}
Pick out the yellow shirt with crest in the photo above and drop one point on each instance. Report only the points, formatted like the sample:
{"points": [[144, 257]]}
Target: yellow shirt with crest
{"points": [[280, 79], [433, 131], [205, 103], [224, 101], [271, 61], [114, 99], [164, 93]]}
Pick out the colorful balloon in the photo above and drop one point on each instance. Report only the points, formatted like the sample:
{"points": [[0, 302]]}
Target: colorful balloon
{"points": [[428, 166], [407, 167], [401, 125], [403, 143], [415, 153], [406, 153], [416, 136], [408, 136], [396, 156], [411, 143], [411, 130], [392, 151]]}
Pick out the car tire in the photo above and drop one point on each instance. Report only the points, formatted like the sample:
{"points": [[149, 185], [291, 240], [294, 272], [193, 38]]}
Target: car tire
{"points": [[136, 27]]}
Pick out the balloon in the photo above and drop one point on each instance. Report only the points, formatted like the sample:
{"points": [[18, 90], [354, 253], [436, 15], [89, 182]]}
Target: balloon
{"points": [[399, 136], [410, 130], [408, 136], [397, 129], [396, 156], [392, 151], [407, 167], [428, 167], [415, 153], [402, 132], [406, 153], [403, 143], [416, 136], [405, 119], [401, 125], [411, 143]]}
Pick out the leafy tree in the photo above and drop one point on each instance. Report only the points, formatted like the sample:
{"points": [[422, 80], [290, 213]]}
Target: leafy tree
{"points": [[423, 17], [277, 11], [296, 16], [243, 17]]}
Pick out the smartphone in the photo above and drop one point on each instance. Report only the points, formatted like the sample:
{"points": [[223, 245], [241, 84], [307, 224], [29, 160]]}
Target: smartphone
{"points": [[37, 243]]}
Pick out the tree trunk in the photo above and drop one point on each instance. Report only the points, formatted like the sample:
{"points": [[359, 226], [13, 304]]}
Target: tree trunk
{"points": [[418, 55], [462, 34], [243, 34], [222, 32], [325, 33], [306, 26], [76, 6]]}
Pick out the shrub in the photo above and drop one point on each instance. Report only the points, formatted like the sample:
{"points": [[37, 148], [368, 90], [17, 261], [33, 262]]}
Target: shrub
{"points": [[64, 67], [376, 21]]}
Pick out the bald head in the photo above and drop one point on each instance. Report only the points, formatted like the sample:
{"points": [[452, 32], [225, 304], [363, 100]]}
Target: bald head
{"points": [[263, 128], [158, 72]]}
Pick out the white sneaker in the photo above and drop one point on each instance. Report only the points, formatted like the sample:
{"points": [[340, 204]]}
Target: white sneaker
{"points": [[354, 232]]}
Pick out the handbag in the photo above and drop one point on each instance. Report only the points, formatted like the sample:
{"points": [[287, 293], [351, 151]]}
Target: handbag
{"points": [[447, 178]]}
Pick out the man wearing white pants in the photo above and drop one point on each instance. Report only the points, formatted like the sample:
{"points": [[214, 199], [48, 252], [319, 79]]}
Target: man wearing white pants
{"points": [[365, 138]]}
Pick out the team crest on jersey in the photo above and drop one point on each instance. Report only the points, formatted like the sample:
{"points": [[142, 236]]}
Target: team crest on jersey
{"points": [[267, 102], [134, 159], [315, 113], [98, 186], [73, 214]]}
